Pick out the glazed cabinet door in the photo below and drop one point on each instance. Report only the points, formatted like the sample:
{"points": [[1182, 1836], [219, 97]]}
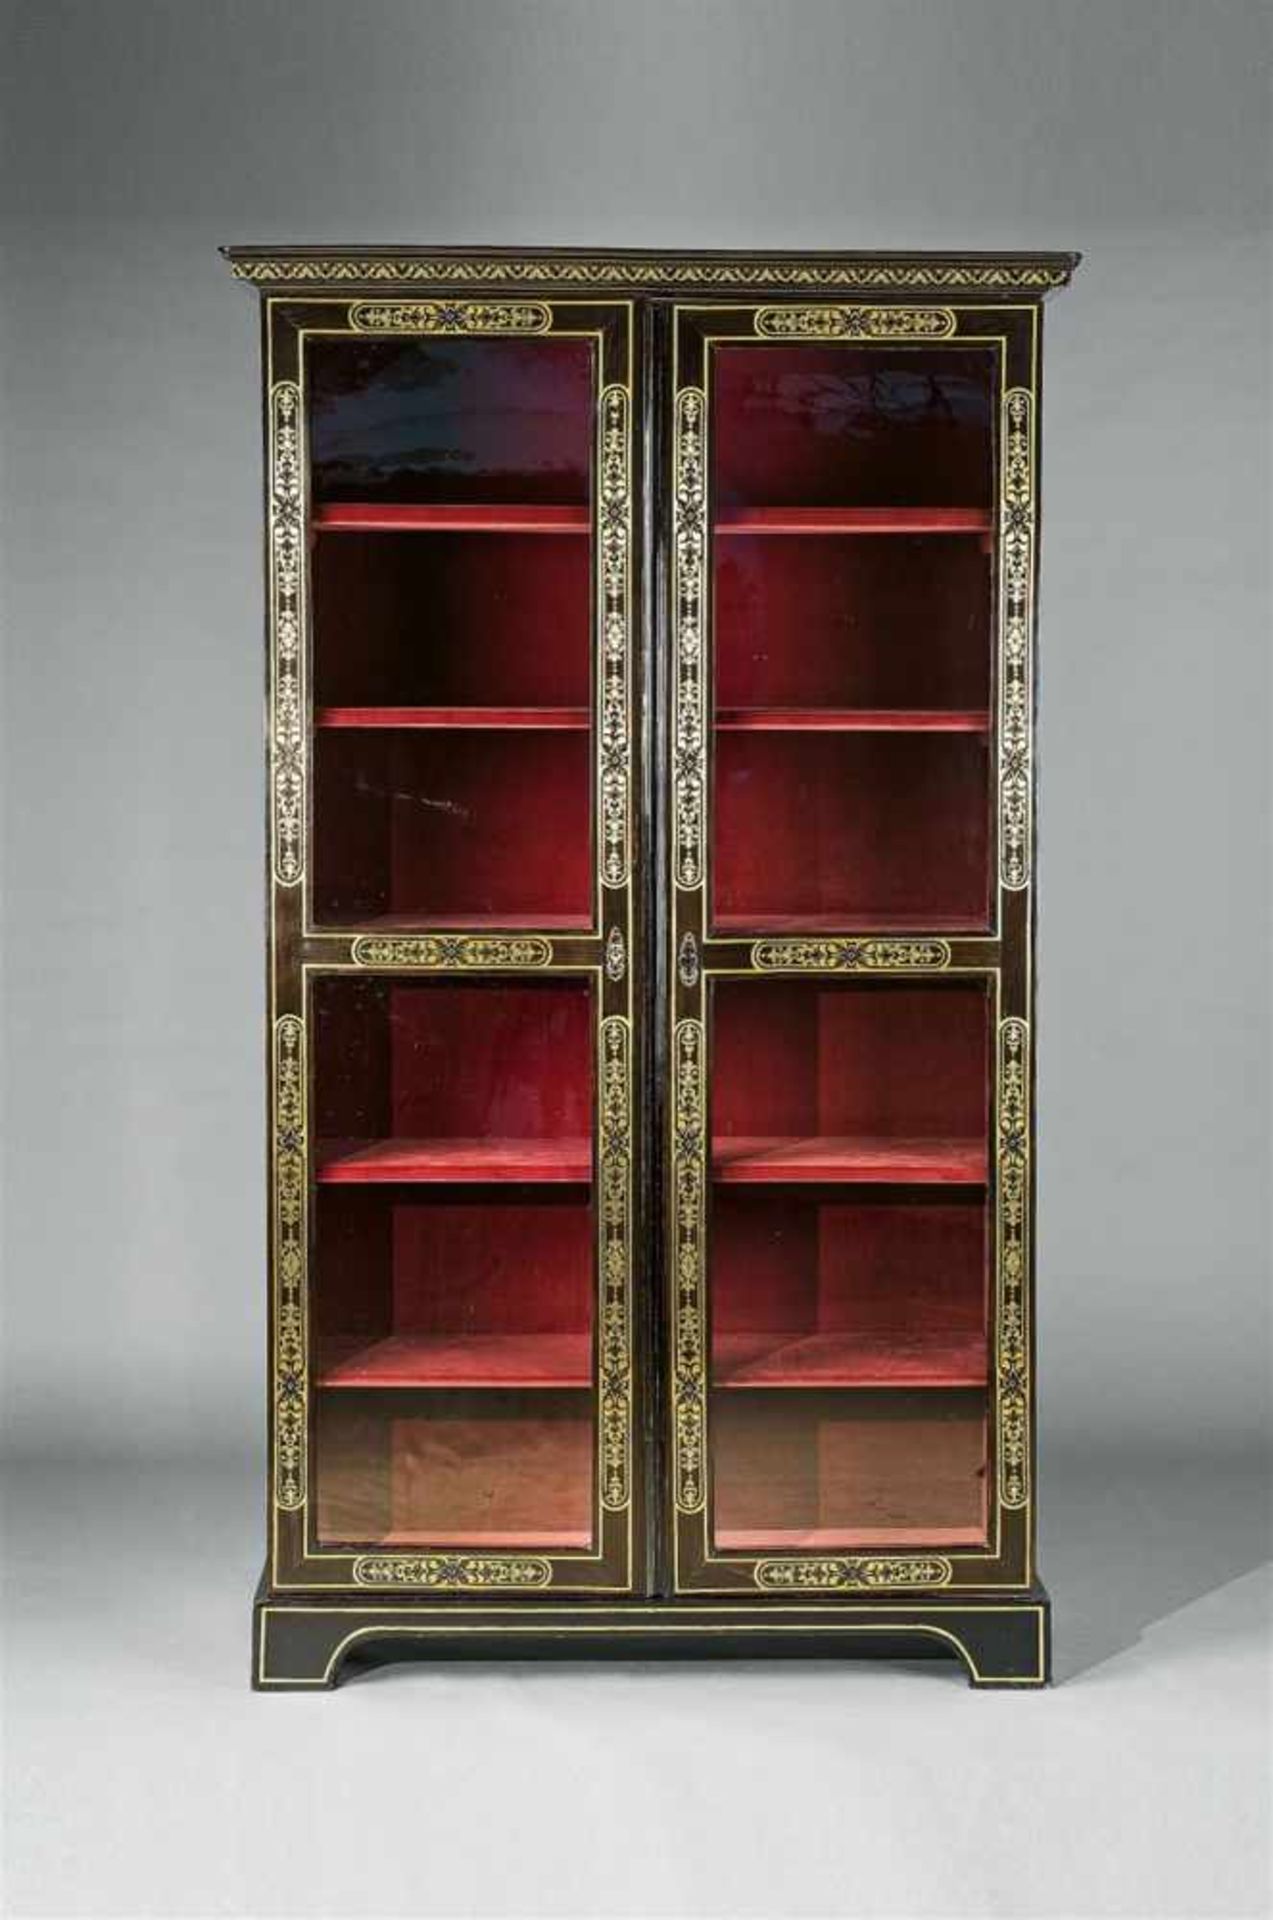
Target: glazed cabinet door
{"points": [[849, 708], [454, 709]]}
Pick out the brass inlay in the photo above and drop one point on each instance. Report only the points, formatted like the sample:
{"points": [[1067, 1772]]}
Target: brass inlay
{"points": [[855, 323], [451, 1570], [450, 316], [616, 955], [287, 632], [452, 950], [690, 533], [849, 273], [689, 1187], [1013, 1359], [615, 1254], [614, 512], [856, 1573], [851, 955], [687, 962], [291, 1394], [1016, 617]]}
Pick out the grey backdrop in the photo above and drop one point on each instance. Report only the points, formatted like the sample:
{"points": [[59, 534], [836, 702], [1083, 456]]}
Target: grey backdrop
{"points": [[138, 136]]}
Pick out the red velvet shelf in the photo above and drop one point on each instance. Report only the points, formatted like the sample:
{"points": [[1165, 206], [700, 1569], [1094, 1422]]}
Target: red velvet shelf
{"points": [[538, 719], [841, 923], [855, 520], [421, 1360], [849, 1359], [850, 1158], [467, 923], [471, 1162], [347, 518], [820, 1539], [526, 1538], [850, 720]]}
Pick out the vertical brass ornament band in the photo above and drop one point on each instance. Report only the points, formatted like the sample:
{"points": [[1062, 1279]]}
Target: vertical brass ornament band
{"points": [[1012, 1382], [689, 774], [614, 575], [615, 1227], [287, 633], [291, 1393], [1016, 644], [689, 1201]]}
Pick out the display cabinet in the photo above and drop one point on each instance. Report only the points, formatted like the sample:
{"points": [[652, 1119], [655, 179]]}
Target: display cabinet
{"points": [[651, 847]]}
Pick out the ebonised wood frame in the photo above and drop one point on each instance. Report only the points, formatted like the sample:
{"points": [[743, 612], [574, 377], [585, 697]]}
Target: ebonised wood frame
{"points": [[653, 1586]]}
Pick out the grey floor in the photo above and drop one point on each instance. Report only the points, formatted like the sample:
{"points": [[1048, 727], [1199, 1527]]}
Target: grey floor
{"points": [[144, 1779]]}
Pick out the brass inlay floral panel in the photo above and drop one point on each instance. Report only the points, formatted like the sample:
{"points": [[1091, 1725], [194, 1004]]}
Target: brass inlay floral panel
{"points": [[993, 276], [1016, 669], [452, 950], [853, 956], [852, 1574], [451, 1571], [1013, 1357], [855, 323], [287, 633], [690, 537], [616, 955], [291, 1394], [450, 316], [614, 565], [689, 1196], [615, 1253]]}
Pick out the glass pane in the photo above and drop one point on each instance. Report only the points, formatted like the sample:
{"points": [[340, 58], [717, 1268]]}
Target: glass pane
{"points": [[451, 577], [454, 1267], [852, 618], [848, 1264]]}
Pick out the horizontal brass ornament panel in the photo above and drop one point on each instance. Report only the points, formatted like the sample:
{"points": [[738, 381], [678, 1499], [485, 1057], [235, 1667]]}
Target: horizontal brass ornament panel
{"points": [[450, 316], [457, 1572], [852, 1573], [863, 273], [450, 950], [855, 323], [851, 956]]}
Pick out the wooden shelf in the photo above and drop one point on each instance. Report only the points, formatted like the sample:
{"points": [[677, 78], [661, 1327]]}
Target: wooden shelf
{"points": [[762, 924], [821, 1539], [851, 720], [525, 719], [849, 1360], [466, 1162], [425, 1361], [833, 520], [833, 1160], [372, 518]]}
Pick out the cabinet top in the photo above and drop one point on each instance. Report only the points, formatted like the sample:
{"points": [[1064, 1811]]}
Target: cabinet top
{"points": [[638, 271]]}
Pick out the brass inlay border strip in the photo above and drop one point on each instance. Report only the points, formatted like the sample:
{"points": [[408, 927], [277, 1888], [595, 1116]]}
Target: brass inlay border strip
{"points": [[855, 323], [853, 1573], [689, 1190], [1016, 645], [1013, 1357], [287, 632], [614, 554], [615, 1227], [291, 1392], [449, 950], [690, 546], [454, 1572], [450, 316], [850, 956], [847, 274]]}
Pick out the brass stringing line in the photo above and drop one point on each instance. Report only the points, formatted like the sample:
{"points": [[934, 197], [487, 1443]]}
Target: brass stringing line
{"points": [[287, 627], [615, 1225], [690, 542], [290, 1389], [1013, 1359], [1016, 562], [689, 1189]]}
